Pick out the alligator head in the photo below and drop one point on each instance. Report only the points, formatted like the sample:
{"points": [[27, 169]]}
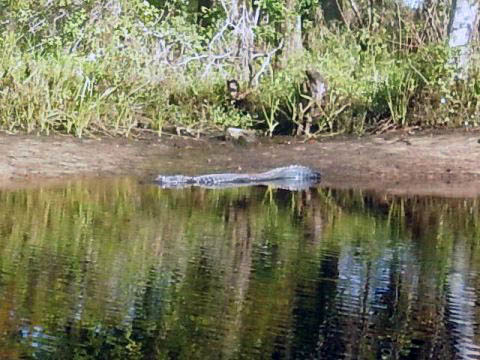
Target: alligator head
{"points": [[174, 180]]}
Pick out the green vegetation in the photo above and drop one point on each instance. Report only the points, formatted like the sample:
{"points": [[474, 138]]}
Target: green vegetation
{"points": [[125, 66]]}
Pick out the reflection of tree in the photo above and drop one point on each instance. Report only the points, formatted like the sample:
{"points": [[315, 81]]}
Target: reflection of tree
{"points": [[238, 271], [148, 319], [369, 303], [9, 327], [462, 302], [389, 303], [314, 312]]}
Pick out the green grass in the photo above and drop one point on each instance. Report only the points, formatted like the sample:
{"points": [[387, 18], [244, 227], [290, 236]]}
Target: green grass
{"points": [[123, 78]]}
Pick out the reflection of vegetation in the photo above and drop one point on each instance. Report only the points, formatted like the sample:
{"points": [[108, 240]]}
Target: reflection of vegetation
{"points": [[117, 270]]}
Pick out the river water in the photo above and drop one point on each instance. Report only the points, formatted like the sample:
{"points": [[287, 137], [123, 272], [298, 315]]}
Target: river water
{"points": [[116, 269]]}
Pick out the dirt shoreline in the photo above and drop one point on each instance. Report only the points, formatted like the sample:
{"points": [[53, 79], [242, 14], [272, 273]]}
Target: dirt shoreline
{"points": [[441, 163]]}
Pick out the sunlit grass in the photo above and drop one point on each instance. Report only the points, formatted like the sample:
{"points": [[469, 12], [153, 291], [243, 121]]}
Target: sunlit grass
{"points": [[122, 79]]}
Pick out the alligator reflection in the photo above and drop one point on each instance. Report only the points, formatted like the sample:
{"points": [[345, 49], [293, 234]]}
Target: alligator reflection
{"points": [[118, 270]]}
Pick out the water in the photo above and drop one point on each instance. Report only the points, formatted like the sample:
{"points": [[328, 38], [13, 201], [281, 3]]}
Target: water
{"points": [[120, 270]]}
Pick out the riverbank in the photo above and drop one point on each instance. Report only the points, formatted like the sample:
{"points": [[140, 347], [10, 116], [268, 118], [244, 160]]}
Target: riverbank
{"points": [[433, 163]]}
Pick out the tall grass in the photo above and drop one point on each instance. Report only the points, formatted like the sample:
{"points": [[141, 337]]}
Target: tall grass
{"points": [[141, 70]]}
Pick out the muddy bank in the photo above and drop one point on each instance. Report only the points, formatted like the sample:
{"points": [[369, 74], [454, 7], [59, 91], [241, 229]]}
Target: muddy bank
{"points": [[445, 163]]}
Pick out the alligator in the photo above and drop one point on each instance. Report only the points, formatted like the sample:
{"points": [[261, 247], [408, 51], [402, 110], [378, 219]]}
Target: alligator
{"points": [[293, 177]]}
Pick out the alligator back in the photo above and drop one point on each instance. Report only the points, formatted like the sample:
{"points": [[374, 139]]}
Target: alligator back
{"points": [[289, 177], [292, 172]]}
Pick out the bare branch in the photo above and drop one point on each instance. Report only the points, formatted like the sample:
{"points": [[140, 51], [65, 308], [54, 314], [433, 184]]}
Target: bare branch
{"points": [[266, 62]]}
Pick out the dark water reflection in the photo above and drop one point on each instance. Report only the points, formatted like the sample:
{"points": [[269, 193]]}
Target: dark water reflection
{"points": [[119, 270]]}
